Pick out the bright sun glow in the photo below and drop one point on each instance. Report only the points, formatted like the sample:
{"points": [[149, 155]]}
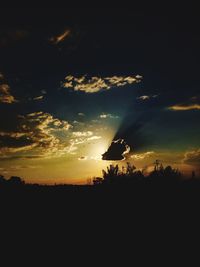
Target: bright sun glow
{"points": [[98, 149]]}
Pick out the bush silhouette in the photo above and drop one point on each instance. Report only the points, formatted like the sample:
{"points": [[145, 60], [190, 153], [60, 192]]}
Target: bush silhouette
{"points": [[2, 180], [15, 181], [164, 175], [115, 175], [97, 180], [129, 174]]}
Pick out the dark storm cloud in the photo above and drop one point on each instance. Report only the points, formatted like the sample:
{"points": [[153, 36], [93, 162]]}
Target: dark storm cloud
{"points": [[117, 150]]}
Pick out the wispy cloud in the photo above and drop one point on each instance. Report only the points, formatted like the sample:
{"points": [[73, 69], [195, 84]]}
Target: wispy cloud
{"points": [[38, 98], [94, 137], [142, 156], [5, 94], [61, 37], [192, 157], [146, 97], [44, 92], [182, 107], [82, 134], [77, 140], [83, 158], [36, 132], [96, 84], [108, 116], [81, 138]]}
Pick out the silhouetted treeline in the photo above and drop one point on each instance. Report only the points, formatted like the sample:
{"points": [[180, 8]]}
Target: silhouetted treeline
{"points": [[12, 181], [125, 189], [129, 175], [114, 177]]}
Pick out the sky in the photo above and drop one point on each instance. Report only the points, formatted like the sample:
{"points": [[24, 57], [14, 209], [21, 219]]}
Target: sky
{"points": [[83, 88]]}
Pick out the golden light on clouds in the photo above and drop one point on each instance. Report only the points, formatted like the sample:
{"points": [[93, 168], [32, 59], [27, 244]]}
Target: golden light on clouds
{"points": [[37, 136], [38, 97], [96, 84], [60, 38], [5, 94], [185, 107], [142, 156]]}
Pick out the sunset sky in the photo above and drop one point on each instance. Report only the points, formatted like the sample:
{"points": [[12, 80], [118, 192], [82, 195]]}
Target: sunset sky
{"points": [[79, 83]]}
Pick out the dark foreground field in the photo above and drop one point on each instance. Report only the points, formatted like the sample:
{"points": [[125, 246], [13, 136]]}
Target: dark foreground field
{"points": [[126, 189], [179, 195], [117, 222]]}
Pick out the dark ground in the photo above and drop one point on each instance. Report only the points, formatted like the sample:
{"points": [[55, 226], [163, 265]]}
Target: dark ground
{"points": [[139, 196], [101, 224]]}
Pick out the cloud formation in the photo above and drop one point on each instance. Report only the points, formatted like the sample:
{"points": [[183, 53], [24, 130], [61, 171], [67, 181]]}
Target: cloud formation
{"points": [[60, 38], [146, 97], [5, 94], [96, 84], [38, 98], [82, 134], [108, 116], [116, 151], [81, 138], [192, 157], [142, 156], [183, 107], [83, 158], [36, 132]]}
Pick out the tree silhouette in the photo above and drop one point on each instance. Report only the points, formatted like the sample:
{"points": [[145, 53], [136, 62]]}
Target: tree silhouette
{"points": [[97, 180], [115, 175], [15, 181], [111, 174], [193, 175], [129, 174], [166, 175], [130, 169], [2, 180]]}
